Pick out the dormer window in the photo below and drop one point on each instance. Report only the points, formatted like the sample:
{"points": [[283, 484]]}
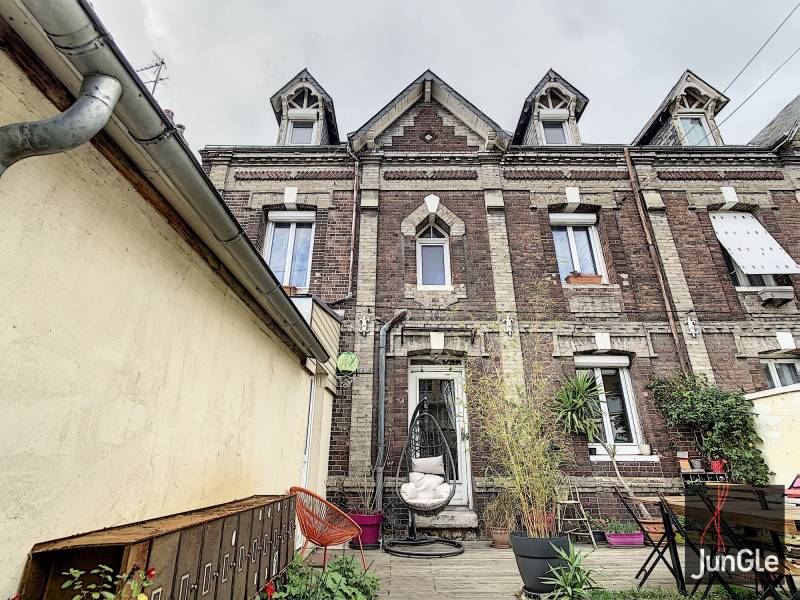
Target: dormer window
{"points": [[555, 131], [695, 131], [302, 132], [303, 112]]}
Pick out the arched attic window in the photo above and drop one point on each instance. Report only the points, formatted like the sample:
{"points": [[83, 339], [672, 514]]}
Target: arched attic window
{"points": [[553, 116], [303, 109], [433, 258], [692, 119]]}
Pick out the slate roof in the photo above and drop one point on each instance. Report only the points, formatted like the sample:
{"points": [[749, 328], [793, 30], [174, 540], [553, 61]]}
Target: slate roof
{"points": [[784, 123]]}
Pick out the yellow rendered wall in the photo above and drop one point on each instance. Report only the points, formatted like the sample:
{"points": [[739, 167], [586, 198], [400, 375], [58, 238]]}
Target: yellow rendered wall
{"points": [[778, 424], [133, 382]]}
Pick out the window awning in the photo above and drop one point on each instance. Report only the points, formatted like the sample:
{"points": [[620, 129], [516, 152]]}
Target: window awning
{"points": [[750, 245]]}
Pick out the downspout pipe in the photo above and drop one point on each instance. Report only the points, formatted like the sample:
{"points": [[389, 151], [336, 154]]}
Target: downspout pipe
{"points": [[655, 257], [76, 31], [75, 126], [379, 466]]}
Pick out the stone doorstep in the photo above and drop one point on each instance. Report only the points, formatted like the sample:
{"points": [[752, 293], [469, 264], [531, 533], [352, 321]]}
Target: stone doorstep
{"points": [[457, 517]]}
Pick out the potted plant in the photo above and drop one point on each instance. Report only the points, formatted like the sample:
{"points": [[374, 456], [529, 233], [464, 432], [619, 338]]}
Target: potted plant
{"points": [[577, 278], [500, 518], [517, 429], [578, 411], [363, 512], [623, 533], [599, 526]]}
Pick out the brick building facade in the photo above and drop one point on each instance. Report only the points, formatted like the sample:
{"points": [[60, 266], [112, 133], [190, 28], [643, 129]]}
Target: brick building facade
{"points": [[480, 234]]}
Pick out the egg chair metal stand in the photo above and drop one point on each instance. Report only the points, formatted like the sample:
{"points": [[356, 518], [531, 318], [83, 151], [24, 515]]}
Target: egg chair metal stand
{"points": [[425, 440]]}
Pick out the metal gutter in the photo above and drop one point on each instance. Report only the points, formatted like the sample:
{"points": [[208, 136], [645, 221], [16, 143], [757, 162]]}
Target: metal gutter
{"points": [[379, 466], [75, 30], [75, 126]]}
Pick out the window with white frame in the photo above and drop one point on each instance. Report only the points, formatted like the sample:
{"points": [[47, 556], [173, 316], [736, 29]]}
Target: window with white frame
{"points": [[577, 245], [555, 132], [301, 132], [618, 423], [695, 130], [781, 372], [554, 117], [433, 258], [289, 246]]}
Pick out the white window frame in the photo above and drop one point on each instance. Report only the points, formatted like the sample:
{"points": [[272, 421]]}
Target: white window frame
{"points": [[626, 449], [561, 116], [570, 220], [294, 217], [290, 132], [773, 372], [703, 123], [445, 242]]}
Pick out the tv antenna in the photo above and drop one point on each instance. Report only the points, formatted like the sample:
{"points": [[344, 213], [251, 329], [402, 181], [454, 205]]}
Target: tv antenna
{"points": [[154, 70]]}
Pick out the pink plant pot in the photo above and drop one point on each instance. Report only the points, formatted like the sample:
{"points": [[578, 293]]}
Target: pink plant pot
{"points": [[370, 529], [625, 539], [718, 465]]}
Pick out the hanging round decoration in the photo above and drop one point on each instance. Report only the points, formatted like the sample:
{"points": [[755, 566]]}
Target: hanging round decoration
{"points": [[347, 362]]}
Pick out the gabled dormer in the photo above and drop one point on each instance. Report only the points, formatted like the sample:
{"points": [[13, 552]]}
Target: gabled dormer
{"points": [[686, 117], [551, 113], [305, 113]]}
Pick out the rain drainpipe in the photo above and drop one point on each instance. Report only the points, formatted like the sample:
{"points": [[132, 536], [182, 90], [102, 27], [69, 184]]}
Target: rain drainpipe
{"points": [[398, 316], [75, 126], [655, 256]]}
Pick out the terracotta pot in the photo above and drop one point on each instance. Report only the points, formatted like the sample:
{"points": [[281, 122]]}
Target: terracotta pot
{"points": [[625, 539], [654, 527], [291, 290], [501, 537], [581, 279]]}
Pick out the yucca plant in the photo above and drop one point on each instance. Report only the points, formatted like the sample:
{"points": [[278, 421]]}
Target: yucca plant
{"points": [[577, 409], [571, 580]]}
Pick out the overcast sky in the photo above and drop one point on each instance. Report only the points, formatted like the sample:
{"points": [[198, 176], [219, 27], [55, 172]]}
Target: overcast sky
{"points": [[226, 58]]}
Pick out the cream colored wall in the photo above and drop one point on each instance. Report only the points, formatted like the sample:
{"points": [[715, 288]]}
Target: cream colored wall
{"points": [[133, 382], [778, 424]]}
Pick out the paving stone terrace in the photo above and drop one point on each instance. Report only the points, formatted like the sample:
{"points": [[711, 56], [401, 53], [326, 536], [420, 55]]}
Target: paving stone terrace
{"points": [[482, 573]]}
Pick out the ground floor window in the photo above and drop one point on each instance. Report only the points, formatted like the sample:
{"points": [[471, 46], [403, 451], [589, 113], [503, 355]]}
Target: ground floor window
{"points": [[618, 422], [780, 373]]}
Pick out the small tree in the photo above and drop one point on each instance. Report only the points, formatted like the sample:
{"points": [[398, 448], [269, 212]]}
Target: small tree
{"points": [[578, 410], [520, 435]]}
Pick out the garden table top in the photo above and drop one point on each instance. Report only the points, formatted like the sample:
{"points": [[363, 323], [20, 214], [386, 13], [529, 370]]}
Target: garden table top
{"points": [[740, 512]]}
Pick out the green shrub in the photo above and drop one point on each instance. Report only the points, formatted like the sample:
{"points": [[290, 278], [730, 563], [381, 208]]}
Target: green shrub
{"points": [[615, 526], [723, 423], [717, 593], [343, 579]]}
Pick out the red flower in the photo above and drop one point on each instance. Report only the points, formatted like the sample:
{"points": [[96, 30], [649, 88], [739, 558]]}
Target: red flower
{"points": [[269, 589], [151, 572]]}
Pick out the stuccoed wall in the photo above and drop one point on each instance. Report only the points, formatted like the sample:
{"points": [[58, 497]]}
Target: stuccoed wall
{"points": [[133, 382], [777, 422]]}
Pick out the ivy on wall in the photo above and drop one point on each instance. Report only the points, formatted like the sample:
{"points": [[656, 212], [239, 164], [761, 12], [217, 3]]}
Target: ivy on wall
{"points": [[723, 423]]}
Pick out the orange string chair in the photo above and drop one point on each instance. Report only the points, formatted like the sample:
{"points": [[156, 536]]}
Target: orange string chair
{"points": [[323, 524]]}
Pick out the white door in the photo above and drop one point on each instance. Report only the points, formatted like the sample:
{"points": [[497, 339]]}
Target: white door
{"points": [[442, 387]]}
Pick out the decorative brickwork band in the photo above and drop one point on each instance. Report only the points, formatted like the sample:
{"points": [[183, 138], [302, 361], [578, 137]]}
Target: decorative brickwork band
{"points": [[576, 175], [288, 175], [433, 174], [705, 175]]}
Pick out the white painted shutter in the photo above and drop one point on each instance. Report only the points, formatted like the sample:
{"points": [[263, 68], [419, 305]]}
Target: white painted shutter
{"points": [[750, 245]]}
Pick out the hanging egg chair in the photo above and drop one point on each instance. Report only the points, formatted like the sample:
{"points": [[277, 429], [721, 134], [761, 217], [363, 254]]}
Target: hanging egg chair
{"points": [[431, 484]]}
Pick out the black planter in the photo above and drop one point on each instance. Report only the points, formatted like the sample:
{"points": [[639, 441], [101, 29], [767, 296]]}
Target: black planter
{"points": [[599, 537], [535, 557]]}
